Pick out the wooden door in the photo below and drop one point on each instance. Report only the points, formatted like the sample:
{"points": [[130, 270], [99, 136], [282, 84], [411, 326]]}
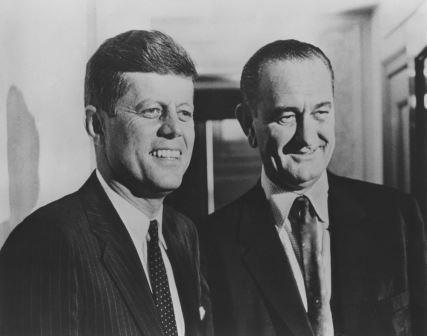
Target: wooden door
{"points": [[397, 124]]}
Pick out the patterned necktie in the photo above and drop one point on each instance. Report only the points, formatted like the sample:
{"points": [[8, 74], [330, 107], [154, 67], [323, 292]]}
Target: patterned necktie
{"points": [[159, 283], [304, 226]]}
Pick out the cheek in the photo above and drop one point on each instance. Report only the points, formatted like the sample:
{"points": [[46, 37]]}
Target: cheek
{"points": [[280, 135], [124, 140], [130, 138], [189, 136], [327, 131]]}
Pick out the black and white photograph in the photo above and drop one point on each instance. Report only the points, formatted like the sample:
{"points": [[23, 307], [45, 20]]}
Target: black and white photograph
{"points": [[213, 168]]}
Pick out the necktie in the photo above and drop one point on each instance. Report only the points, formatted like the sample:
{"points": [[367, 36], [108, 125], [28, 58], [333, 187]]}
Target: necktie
{"points": [[309, 240], [159, 283]]}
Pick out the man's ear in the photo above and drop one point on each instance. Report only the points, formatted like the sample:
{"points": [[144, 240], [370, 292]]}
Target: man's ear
{"points": [[93, 123], [244, 115]]}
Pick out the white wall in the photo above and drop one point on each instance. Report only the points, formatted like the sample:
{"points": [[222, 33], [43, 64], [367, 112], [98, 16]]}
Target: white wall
{"points": [[45, 45]]}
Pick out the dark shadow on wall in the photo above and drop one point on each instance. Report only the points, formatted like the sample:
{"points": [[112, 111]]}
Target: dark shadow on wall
{"points": [[22, 158]]}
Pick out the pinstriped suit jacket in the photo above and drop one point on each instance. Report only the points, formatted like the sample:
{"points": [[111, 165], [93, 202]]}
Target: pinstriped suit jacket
{"points": [[70, 268]]}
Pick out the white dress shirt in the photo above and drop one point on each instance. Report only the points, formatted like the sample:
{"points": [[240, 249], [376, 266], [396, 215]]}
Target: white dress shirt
{"points": [[137, 224], [281, 202]]}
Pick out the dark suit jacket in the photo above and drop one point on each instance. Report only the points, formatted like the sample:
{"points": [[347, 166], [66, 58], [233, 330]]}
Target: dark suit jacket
{"points": [[71, 268], [378, 252]]}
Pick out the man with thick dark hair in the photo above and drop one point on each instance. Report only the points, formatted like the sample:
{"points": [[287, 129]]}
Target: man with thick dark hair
{"points": [[305, 252], [110, 258]]}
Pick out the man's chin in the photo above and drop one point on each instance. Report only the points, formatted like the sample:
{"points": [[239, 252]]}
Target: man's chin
{"points": [[157, 188], [167, 185], [296, 181]]}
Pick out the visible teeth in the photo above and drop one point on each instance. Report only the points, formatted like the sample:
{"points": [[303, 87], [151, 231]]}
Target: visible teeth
{"points": [[307, 150], [166, 153]]}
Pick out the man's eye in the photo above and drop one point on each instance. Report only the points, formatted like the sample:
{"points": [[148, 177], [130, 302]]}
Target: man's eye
{"points": [[321, 114], [151, 113], [185, 115], [286, 118]]}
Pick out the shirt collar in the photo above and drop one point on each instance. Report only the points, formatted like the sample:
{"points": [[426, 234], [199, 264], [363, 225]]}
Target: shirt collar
{"points": [[281, 200], [136, 222]]}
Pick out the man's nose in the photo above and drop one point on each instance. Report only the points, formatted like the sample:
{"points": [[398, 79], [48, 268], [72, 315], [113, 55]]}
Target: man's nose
{"points": [[306, 131], [170, 127]]}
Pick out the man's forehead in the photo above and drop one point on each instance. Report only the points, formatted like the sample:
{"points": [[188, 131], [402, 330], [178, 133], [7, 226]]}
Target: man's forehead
{"points": [[292, 70], [142, 83], [307, 78], [137, 77]]}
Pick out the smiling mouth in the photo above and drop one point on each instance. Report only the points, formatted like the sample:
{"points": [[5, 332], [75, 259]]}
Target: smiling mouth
{"points": [[169, 154], [307, 151]]}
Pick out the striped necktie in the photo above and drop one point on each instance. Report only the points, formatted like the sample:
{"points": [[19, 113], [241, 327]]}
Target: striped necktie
{"points": [[304, 225]]}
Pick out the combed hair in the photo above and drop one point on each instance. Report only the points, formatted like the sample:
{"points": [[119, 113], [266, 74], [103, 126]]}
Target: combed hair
{"points": [[281, 50], [132, 51]]}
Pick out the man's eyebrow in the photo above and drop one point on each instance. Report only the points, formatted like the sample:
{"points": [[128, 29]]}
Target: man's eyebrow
{"points": [[143, 102], [186, 104], [326, 104], [283, 109]]}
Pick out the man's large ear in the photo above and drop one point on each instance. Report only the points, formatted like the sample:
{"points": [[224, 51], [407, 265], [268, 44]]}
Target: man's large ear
{"points": [[93, 124], [244, 115]]}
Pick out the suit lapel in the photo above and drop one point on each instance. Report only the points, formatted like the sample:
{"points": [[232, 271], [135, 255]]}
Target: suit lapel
{"points": [[181, 258], [266, 261], [350, 257], [120, 257]]}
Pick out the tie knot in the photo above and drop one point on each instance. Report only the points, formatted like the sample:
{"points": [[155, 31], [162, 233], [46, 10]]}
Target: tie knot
{"points": [[301, 208], [153, 231]]}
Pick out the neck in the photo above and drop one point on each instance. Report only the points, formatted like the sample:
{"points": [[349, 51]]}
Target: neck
{"points": [[278, 188], [150, 206]]}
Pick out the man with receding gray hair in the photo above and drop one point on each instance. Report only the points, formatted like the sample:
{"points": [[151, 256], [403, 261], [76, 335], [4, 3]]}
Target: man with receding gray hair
{"points": [[305, 252]]}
